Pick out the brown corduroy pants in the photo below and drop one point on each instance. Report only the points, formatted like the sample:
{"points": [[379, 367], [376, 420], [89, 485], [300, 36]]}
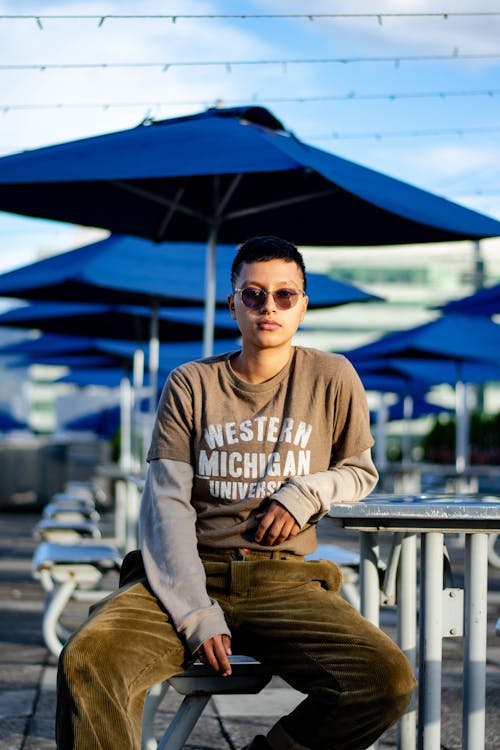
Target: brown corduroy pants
{"points": [[285, 612]]}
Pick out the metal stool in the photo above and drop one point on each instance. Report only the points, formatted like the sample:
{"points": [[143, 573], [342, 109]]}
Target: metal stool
{"points": [[69, 571], [198, 683]]}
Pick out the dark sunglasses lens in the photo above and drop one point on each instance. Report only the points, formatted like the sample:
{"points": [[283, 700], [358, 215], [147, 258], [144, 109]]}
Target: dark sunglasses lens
{"points": [[285, 298], [253, 297]]}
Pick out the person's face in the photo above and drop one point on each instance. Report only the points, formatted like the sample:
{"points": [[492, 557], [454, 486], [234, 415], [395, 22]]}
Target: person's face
{"points": [[271, 322]]}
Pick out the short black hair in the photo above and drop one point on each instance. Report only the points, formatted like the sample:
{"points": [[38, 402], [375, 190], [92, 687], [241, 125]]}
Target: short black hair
{"points": [[267, 247]]}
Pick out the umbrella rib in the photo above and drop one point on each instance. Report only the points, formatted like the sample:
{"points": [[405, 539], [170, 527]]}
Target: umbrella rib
{"points": [[158, 199], [168, 215], [279, 204], [229, 193]]}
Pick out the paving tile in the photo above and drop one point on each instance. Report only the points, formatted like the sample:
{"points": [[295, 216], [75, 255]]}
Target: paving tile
{"points": [[27, 670]]}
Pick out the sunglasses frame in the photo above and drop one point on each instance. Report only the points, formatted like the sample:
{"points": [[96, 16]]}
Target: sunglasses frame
{"points": [[266, 293]]}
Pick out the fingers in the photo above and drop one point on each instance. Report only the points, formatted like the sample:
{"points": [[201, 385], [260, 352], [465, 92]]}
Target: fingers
{"points": [[215, 652], [276, 525]]}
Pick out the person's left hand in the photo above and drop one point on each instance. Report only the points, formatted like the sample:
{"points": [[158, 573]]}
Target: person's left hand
{"points": [[276, 525]]}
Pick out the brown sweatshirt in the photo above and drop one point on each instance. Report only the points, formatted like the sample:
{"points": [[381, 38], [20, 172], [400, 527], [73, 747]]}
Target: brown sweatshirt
{"points": [[222, 448]]}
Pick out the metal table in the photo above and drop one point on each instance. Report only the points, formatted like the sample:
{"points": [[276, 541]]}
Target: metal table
{"points": [[443, 611]]}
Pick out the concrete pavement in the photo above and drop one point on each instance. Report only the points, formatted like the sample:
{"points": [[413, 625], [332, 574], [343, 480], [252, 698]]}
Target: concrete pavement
{"points": [[27, 670]]}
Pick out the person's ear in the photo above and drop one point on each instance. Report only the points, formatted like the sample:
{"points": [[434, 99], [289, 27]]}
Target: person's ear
{"points": [[305, 300], [230, 302]]}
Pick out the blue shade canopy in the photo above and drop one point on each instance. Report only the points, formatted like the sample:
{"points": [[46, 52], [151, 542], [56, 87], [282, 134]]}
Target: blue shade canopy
{"points": [[417, 375], [9, 422], [109, 377], [435, 371], [420, 407], [104, 422], [53, 344], [381, 375], [454, 337], [60, 360], [385, 383], [115, 321], [130, 270], [59, 349], [171, 355], [232, 172], [484, 302], [65, 351]]}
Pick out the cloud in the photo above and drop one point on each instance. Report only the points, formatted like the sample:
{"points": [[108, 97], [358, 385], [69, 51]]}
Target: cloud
{"points": [[452, 160]]}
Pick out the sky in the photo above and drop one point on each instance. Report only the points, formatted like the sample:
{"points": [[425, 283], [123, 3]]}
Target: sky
{"points": [[408, 88]]}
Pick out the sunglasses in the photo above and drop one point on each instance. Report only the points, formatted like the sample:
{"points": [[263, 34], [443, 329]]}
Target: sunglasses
{"points": [[284, 299]]}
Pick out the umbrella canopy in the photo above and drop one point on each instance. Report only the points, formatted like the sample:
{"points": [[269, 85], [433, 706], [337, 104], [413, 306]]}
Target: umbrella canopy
{"points": [[53, 345], [384, 383], [459, 340], [379, 375], [171, 354], [115, 321], [9, 422], [56, 348], [106, 376], [104, 422], [124, 270], [234, 168], [221, 176], [435, 372], [484, 302], [65, 351], [420, 407], [452, 337]]}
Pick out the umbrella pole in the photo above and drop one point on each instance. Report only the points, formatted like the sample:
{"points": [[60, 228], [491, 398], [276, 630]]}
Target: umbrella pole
{"points": [[381, 436], [125, 425], [138, 383], [210, 274], [154, 358], [461, 426], [407, 419]]}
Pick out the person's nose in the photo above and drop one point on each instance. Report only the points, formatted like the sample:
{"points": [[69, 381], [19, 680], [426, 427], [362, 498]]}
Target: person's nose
{"points": [[269, 304]]}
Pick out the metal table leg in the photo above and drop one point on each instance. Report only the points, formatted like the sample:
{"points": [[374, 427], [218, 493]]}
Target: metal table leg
{"points": [[475, 624], [431, 628], [368, 576], [407, 631]]}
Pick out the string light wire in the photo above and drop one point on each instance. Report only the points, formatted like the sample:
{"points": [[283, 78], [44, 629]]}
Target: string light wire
{"points": [[101, 18], [228, 64], [257, 99]]}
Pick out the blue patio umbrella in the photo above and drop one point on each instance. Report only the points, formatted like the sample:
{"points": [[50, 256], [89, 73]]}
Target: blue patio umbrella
{"points": [[130, 322], [9, 422], [128, 270], [458, 340], [108, 377], [421, 407], [124, 270], [221, 176], [171, 355], [53, 348], [58, 349], [437, 371], [405, 409], [85, 353], [485, 301], [454, 337], [380, 376], [104, 422]]}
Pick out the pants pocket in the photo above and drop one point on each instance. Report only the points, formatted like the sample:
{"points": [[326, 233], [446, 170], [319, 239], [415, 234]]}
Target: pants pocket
{"points": [[327, 573]]}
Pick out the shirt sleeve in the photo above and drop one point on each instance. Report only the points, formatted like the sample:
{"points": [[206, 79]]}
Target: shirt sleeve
{"points": [[310, 497], [167, 534]]}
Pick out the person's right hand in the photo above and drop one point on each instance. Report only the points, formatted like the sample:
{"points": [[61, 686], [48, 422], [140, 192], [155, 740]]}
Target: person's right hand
{"points": [[214, 652]]}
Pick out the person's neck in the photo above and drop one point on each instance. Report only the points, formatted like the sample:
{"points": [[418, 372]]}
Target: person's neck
{"points": [[260, 365]]}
